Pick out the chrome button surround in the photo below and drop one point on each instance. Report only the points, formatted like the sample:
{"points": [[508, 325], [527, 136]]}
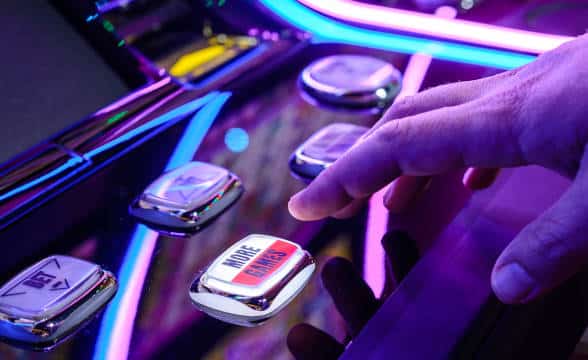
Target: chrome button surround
{"points": [[352, 81], [323, 148], [50, 300], [184, 200], [252, 280]]}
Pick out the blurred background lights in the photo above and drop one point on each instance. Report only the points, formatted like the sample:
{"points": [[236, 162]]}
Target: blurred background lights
{"points": [[237, 139], [467, 4]]}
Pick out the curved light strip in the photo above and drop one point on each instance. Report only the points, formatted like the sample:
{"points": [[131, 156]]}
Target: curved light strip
{"points": [[71, 163], [114, 337], [175, 114], [374, 261], [326, 29], [430, 25]]}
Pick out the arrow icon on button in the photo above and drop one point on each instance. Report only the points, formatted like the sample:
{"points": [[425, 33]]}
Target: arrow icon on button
{"points": [[60, 285]]}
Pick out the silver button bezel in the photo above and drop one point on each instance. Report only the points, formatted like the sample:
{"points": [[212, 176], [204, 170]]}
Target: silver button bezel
{"points": [[247, 306], [44, 329]]}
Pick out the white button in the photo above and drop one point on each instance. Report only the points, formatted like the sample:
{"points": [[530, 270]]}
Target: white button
{"points": [[332, 141], [48, 301], [189, 186], [252, 280]]}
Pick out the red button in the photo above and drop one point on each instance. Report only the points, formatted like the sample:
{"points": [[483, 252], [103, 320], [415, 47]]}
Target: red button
{"points": [[265, 264]]}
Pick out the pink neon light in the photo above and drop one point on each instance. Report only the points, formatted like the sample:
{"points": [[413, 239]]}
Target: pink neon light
{"points": [[122, 329], [374, 264], [430, 25], [115, 106]]}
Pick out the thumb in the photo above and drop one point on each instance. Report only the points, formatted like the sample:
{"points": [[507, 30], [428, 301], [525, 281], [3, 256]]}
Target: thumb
{"points": [[548, 251]]}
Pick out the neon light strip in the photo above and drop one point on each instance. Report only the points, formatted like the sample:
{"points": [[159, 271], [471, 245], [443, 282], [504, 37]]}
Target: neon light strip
{"points": [[175, 114], [194, 133], [116, 330], [115, 106], [41, 179], [429, 25], [326, 30], [374, 263], [114, 337]]}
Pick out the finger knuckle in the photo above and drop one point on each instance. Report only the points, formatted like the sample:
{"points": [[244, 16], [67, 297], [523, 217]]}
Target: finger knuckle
{"points": [[392, 132], [549, 240], [401, 108]]}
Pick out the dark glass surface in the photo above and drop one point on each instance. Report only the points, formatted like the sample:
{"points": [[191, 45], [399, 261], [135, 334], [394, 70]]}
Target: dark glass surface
{"points": [[51, 77], [277, 119], [152, 315]]}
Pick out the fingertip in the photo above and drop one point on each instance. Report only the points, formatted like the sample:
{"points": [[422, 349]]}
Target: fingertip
{"points": [[512, 284], [307, 342], [320, 199], [334, 269], [299, 209], [294, 207], [402, 253], [403, 192], [297, 336], [394, 200]]}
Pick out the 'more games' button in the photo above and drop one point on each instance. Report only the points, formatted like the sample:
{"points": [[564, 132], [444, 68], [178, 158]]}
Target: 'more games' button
{"points": [[265, 264], [252, 280], [253, 260]]}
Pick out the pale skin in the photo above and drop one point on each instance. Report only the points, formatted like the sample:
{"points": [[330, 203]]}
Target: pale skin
{"points": [[534, 115]]}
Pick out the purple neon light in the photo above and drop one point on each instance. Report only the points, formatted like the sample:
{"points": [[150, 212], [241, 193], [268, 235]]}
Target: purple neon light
{"points": [[374, 268], [116, 330], [122, 329], [435, 26]]}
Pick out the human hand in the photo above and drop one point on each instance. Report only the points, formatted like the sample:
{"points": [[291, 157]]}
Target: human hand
{"points": [[536, 114], [353, 298]]}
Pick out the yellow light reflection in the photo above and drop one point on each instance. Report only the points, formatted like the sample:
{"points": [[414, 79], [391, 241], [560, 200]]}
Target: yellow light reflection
{"points": [[187, 63]]}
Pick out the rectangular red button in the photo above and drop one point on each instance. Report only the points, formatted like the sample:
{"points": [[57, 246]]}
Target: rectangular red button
{"points": [[265, 264]]}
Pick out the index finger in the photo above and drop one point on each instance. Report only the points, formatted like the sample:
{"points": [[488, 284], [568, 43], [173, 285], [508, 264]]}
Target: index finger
{"points": [[425, 144]]}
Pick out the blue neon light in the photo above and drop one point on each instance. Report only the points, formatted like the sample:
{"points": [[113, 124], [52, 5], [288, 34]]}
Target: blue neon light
{"points": [[91, 18], [237, 139], [194, 133], [184, 152], [175, 114], [327, 30], [31, 184], [126, 269]]}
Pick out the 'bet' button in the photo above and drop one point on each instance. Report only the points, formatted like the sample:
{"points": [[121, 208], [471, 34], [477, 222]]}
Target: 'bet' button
{"points": [[42, 287]]}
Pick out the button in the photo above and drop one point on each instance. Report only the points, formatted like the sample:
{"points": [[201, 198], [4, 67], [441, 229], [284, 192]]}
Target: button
{"points": [[323, 148], [252, 280], [352, 81], [184, 200], [50, 300]]}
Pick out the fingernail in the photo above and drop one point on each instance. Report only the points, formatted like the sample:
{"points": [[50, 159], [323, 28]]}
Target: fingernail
{"points": [[292, 206], [396, 201], [512, 283], [466, 179], [388, 196]]}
